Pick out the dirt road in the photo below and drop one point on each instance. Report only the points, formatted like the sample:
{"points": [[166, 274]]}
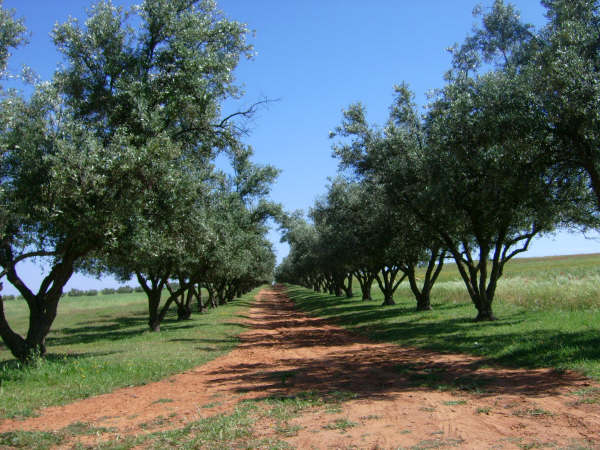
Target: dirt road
{"points": [[389, 397]]}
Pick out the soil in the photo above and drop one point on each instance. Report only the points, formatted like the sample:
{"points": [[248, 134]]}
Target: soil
{"points": [[399, 397]]}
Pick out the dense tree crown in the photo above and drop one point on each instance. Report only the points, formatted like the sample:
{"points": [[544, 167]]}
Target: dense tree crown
{"points": [[109, 165], [505, 151]]}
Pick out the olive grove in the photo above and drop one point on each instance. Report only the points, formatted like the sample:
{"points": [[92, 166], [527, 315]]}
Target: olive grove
{"points": [[504, 152], [109, 166]]}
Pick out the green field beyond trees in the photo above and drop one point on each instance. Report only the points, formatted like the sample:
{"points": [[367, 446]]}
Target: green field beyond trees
{"points": [[102, 343], [547, 312]]}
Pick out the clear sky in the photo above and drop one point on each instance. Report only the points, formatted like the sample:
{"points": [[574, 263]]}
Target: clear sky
{"points": [[316, 57]]}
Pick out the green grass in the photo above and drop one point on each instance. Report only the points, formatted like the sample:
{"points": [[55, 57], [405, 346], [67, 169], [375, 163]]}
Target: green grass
{"points": [[29, 439], [45, 439], [340, 424], [231, 430], [548, 311], [101, 343], [534, 412], [588, 396], [455, 402], [222, 431]]}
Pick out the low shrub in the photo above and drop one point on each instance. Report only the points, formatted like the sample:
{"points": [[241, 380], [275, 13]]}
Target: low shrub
{"points": [[124, 290], [75, 293]]}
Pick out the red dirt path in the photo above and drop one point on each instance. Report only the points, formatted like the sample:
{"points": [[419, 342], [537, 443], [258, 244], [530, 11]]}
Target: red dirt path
{"points": [[285, 352]]}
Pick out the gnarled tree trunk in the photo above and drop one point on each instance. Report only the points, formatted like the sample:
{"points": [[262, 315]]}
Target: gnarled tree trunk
{"points": [[42, 306], [348, 286], [434, 267], [388, 285]]}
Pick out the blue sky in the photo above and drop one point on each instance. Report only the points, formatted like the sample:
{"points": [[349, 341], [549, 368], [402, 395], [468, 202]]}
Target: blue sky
{"points": [[315, 57]]}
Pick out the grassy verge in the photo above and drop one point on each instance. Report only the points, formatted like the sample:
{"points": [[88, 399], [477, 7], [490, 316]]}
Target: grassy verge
{"points": [[237, 429], [101, 343], [548, 310]]}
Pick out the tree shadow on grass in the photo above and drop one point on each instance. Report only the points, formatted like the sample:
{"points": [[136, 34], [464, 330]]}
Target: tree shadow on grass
{"points": [[11, 369], [328, 305], [401, 325], [113, 329], [374, 372], [236, 324], [434, 353]]}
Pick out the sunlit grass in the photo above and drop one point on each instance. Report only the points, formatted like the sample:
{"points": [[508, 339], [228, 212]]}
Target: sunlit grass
{"points": [[100, 343], [548, 313]]}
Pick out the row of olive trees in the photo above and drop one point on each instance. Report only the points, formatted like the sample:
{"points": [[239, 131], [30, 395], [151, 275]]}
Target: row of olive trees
{"points": [[109, 166], [506, 150]]}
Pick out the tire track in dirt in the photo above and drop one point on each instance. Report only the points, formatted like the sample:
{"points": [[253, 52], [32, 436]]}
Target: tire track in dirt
{"points": [[398, 401]]}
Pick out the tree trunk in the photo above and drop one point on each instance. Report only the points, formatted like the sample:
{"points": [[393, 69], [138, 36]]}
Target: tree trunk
{"points": [[221, 295], [434, 268], [475, 277], [198, 294], [388, 286], [42, 309], [366, 291], [230, 293], [365, 281], [388, 299], [484, 311], [348, 287], [330, 288], [153, 314], [15, 343], [320, 285], [34, 345], [154, 293], [422, 296], [211, 296], [423, 302], [184, 312]]}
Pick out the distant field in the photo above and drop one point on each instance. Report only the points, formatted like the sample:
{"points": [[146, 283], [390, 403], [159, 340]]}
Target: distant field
{"points": [[548, 311], [569, 282], [102, 342]]}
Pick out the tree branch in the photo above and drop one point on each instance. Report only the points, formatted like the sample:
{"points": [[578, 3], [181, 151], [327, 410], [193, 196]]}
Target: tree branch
{"points": [[25, 256]]}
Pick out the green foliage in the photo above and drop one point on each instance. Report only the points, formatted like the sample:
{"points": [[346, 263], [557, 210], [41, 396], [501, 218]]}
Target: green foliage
{"points": [[29, 439], [90, 293], [109, 167], [101, 343], [559, 332], [12, 35], [124, 290], [506, 151], [340, 424]]}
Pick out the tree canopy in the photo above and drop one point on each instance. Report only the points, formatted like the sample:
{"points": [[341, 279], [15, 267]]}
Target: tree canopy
{"points": [[110, 163]]}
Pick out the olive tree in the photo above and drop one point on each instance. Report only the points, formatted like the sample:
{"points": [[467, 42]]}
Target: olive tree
{"points": [[64, 195], [508, 136], [301, 265], [557, 67], [138, 91], [389, 224], [241, 255]]}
